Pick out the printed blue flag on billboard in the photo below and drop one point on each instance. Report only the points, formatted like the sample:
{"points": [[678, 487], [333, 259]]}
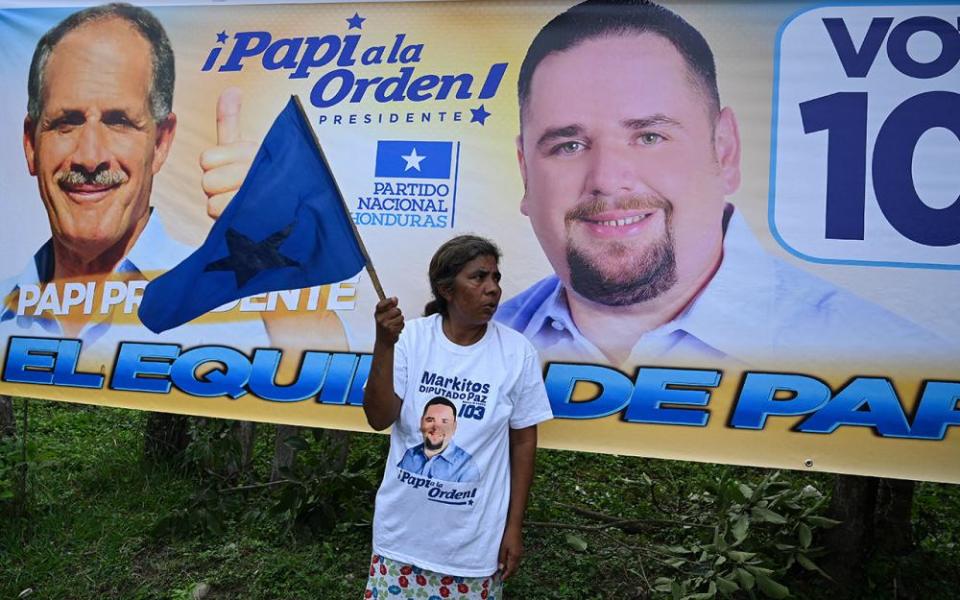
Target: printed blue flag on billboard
{"points": [[414, 159], [286, 228]]}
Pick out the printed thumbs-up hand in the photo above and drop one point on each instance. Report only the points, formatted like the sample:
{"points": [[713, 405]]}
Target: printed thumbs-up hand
{"points": [[226, 164]]}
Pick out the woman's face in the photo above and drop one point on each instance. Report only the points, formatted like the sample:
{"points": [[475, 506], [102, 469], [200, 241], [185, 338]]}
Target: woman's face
{"points": [[475, 293]]}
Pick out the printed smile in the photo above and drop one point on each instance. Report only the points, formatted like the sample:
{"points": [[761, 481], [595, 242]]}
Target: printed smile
{"points": [[88, 193], [616, 224], [622, 222], [83, 187]]}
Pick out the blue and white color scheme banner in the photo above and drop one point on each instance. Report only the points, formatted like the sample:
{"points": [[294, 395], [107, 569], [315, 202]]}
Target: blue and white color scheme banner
{"points": [[730, 230]]}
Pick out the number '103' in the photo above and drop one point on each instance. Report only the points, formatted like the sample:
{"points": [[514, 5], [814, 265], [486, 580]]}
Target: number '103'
{"points": [[844, 116]]}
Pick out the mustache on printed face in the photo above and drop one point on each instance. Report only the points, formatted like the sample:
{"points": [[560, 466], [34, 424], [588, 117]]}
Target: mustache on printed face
{"points": [[78, 176], [599, 204]]}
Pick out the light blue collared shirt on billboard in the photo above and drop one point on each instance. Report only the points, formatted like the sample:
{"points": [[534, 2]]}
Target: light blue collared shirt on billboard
{"points": [[755, 310], [453, 464], [154, 252]]}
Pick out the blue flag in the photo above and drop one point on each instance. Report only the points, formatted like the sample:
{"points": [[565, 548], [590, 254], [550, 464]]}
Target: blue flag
{"points": [[286, 228]]}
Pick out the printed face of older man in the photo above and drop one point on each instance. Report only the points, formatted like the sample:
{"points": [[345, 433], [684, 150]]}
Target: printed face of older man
{"points": [[625, 166], [96, 145]]}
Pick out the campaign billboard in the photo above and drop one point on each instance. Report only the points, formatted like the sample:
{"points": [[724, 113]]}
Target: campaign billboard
{"points": [[731, 232]]}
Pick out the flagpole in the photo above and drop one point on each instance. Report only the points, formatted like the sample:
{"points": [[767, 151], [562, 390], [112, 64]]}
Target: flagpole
{"points": [[363, 249]]}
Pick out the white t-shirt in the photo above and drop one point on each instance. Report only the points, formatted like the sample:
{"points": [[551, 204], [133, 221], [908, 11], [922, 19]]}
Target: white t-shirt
{"points": [[448, 514]]}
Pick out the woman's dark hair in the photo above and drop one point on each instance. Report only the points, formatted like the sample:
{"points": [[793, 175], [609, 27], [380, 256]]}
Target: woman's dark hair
{"points": [[448, 261]]}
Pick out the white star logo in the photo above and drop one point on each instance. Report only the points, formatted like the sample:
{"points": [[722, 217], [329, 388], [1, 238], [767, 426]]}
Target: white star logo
{"points": [[413, 160]]}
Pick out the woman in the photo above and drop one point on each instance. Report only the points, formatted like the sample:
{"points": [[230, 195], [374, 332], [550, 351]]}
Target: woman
{"points": [[464, 395]]}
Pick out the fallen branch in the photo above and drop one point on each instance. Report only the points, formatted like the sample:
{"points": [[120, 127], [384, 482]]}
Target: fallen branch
{"points": [[255, 486], [630, 525]]}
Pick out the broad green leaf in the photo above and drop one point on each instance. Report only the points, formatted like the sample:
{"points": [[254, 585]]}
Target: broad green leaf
{"points": [[765, 514], [727, 586], [737, 556], [707, 595], [784, 547], [805, 535], [745, 490], [576, 542], [759, 571], [771, 588], [745, 578], [823, 522], [740, 527], [809, 565]]}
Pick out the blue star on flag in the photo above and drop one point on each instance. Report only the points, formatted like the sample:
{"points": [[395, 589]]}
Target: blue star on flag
{"points": [[356, 21], [479, 115], [248, 258], [222, 37]]}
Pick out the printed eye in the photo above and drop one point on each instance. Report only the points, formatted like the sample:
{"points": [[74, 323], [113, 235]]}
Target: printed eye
{"points": [[571, 147], [116, 119], [649, 139], [66, 123]]}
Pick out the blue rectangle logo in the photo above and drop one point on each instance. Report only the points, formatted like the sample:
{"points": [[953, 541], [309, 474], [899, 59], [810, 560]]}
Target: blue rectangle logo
{"points": [[411, 159]]}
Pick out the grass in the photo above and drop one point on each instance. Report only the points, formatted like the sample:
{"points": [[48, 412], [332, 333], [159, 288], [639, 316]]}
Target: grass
{"points": [[94, 505]]}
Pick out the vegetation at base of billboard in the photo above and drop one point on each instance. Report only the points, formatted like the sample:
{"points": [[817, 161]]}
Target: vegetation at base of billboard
{"points": [[745, 540], [726, 538], [312, 497]]}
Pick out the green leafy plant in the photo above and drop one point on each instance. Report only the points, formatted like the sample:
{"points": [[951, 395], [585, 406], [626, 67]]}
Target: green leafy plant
{"points": [[314, 498], [747, 538], [309, 498], [213, 452]]}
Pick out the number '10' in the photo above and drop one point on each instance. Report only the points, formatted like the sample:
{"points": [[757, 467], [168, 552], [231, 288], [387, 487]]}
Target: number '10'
{"points": [[844, 116]]}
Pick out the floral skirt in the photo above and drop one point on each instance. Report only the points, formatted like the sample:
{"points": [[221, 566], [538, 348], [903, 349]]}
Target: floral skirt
{"points": [[390, 579]]}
